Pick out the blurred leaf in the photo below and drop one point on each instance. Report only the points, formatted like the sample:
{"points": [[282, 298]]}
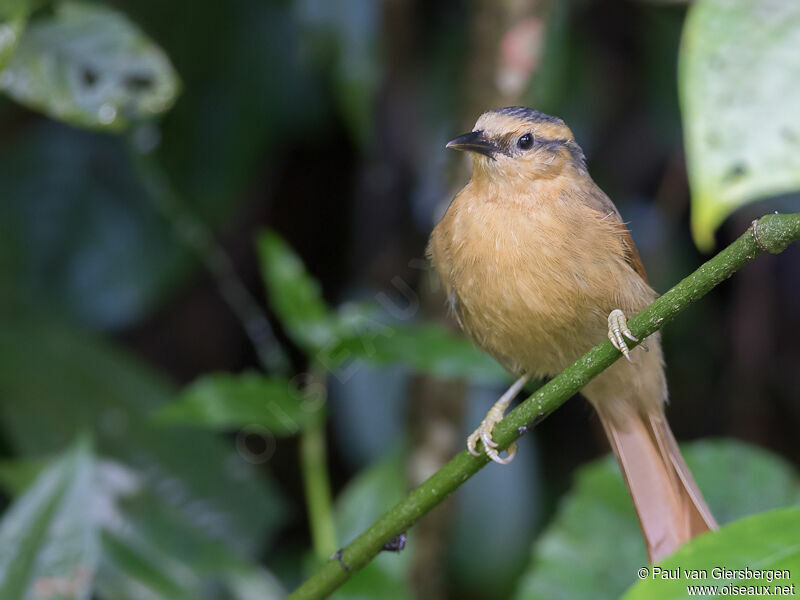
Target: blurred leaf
{"points": [[254, 584], [89, 66], [598, 515], [293, 293], [728, 471], [202, 483], [19, 473], [741, 105], [149, 558], [48, 536], [148, 551], [766, 541], [374, 581], [128, 574], [368, 495], [13, 17], [225, 401], [10, 32], [78, 236], [429, 348], [356, 331]]}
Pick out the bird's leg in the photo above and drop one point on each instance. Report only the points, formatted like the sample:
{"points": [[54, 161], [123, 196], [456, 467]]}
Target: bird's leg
{"points": [[618, 331], [492, 418]]}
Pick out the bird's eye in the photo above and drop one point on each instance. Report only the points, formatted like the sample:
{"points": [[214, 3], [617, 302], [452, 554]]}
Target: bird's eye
{"points": [[525, 142]]}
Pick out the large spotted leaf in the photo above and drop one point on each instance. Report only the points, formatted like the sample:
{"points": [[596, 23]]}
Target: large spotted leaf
{"points": [[89, 66], [739, 81]]}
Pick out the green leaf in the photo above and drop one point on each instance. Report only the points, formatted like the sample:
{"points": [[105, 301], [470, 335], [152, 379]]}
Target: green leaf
{"points": [[19, 473], [48, 539], [293, 293], [357, 332], [767, 541], [254, 584], [739, 79], [225, 401], [151, 554], [371, 493], [88, 385], [128, 571], [89, 66], [368, 495], [729, 471], [596, 527], [375, 581], [10, 32], [428, 348], [150, 551], [13, 17]]}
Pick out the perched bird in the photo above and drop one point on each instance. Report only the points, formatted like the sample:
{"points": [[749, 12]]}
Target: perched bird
{"points": [[539, 267]]}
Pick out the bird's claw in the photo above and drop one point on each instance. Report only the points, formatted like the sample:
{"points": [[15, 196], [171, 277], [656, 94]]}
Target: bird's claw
{"points": [[492, 418], [484, 434], [618, 331]]}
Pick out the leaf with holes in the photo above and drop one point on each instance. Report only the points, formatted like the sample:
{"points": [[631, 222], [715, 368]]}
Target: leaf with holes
{"points": [[89, 66], [739, 79], [50, 546]]}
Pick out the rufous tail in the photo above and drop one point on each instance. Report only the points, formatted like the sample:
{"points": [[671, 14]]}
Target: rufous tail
{"points": [[669, 504]]}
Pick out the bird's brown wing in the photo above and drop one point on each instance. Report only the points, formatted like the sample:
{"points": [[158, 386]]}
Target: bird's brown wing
{"points": [[603, 204], [632, 255]]}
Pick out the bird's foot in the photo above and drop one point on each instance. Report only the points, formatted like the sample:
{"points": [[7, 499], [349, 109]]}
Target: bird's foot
{"points": [[484, 434], [618, 331], [492, 418]]}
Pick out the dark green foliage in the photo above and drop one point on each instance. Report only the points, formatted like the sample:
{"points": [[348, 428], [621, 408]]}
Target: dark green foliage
{"points": [[599, 509]]}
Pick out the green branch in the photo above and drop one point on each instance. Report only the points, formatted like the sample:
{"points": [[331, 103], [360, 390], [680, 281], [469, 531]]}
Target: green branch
{"points": [[316, 482], [317, 488], [772, 233]]}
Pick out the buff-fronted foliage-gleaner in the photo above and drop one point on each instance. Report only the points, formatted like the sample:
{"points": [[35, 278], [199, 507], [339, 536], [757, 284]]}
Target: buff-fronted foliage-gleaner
{"points": [[539, 267]]}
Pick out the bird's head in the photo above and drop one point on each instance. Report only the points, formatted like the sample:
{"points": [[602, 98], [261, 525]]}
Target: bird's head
{"points": [[517, 141]]}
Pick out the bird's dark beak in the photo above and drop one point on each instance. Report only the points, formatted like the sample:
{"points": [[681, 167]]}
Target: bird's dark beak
{"points": [[474, 141]]}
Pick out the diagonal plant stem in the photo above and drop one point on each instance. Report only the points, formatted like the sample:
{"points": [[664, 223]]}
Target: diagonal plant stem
{"points": [[771, 233], [199, 238]]}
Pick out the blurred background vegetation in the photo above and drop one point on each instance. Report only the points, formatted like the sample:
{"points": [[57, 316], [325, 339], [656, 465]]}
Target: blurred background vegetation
{"points": [[222, 352]]}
